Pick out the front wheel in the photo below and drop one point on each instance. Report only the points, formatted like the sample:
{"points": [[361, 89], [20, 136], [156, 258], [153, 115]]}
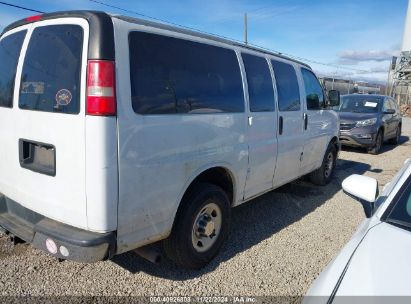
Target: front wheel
{"points": [[396, 139], [378, 144], [323, 175], [201, 225]]}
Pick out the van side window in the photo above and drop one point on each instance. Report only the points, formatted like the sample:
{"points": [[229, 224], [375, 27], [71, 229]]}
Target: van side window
{"points": [[170, 75], [260, 85], [287, 86], [10, 47], [313, 90], [50, 80]]}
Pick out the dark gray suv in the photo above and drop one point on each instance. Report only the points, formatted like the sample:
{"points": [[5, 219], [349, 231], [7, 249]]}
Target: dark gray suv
{"points": [[368, 121]]}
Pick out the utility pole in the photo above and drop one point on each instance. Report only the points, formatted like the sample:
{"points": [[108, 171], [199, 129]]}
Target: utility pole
{"points": [[388, 80], [245, 29]]}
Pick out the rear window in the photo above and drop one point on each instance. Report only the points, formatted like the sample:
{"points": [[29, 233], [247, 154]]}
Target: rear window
{"points": [[52, 69], [10, 47], [170, 76]]}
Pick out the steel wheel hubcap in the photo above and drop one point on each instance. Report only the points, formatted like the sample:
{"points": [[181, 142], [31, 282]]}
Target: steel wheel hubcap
{"points": [[329, 165], [207, 227]]}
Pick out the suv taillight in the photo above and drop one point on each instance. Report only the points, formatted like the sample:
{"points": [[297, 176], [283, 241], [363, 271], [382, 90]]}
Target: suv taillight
{"points": [[101, 95]]}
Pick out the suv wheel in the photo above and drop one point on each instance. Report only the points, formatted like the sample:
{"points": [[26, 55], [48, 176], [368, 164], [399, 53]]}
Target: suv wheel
{"points": [[378, 144], [396, 139], [201, 225], [323, 175]]}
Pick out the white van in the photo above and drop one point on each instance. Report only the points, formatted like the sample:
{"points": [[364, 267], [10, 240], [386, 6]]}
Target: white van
{"points": [[119, 132]]}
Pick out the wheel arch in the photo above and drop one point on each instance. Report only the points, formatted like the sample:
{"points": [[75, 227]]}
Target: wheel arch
{"points": [[334, 141], [219, 175], [189, 203]]}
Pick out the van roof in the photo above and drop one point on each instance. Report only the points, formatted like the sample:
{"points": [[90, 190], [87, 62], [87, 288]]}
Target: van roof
{"points": [[98, 18]]}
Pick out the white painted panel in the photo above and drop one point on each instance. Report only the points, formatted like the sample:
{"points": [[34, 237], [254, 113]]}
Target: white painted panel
{"points": [[101, 173], [62, 197]]}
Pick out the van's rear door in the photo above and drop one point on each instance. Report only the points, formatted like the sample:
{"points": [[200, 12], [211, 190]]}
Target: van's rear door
{"points": [[42, 118]]}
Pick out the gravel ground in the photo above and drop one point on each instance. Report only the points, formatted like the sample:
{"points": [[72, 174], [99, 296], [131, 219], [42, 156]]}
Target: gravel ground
{"points": [[278, 245]]}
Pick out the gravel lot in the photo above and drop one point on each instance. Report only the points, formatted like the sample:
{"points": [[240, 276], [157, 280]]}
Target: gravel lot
{"points": [[278, 245]]}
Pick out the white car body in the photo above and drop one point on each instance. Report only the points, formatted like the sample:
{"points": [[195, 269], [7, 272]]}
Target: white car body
{"points": [[375, 262]]}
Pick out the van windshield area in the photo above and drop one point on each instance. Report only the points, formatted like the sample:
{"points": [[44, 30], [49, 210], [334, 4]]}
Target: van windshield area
{"points": [[51, 73], [360, 104]]}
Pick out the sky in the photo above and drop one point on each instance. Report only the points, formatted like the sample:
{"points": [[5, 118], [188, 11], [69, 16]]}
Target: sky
{"points": [[353, 39]]}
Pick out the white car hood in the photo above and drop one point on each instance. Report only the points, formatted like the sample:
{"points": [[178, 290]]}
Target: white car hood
{"points": [[381, 265]]}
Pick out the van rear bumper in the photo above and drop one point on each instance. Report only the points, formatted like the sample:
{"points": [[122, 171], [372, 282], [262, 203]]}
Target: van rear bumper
{"points": [[64, 241]]}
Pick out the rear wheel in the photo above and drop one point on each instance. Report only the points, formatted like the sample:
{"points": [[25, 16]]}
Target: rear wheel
{"points": [[396, 139], [323, 175], [378, 144], [201, 225]]}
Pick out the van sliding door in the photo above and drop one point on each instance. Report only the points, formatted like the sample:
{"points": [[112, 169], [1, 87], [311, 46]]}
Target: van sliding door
{"points": [[290, 123], [262, 125]]}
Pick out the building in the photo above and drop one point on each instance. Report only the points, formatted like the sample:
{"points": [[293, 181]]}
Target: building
{"points": [[400, 72]]}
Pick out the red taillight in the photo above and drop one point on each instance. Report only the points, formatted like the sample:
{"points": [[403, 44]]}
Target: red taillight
{"points": [[101, 97], [33, 18]]}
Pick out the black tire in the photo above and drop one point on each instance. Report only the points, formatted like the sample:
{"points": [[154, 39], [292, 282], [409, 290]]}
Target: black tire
{"points": [[397, 138], [323, 175], [378, 144], [179, 246]]}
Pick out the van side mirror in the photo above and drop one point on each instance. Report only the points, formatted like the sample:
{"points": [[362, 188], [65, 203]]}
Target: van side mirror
{"points": [[364, 189], [389, 111], [333, 98]]}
